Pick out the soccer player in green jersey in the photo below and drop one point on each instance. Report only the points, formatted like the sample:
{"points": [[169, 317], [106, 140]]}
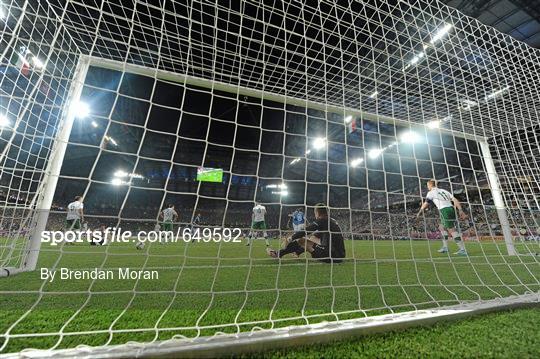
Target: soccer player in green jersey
{"points": [[169, 216], [445, 203]]}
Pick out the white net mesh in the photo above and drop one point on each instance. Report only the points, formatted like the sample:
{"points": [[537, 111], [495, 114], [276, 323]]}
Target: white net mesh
{"points": [[355, 106]]}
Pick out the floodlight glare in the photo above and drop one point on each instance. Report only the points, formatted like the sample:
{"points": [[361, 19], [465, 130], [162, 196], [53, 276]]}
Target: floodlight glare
{"points": [[319, 143], [111, 140], [294, 161], [434, 124], [410, 137], [37, 62], [80, 109], [376, 152], [417, 58], [94, 124], [356, 162], [117, 181], [496, 93], [120, 174], [440, 34], [2, 14], [4, 122]]}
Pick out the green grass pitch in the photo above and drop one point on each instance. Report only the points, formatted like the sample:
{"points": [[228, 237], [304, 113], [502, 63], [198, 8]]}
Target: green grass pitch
{"points": [[497, 335], [204, 288]]}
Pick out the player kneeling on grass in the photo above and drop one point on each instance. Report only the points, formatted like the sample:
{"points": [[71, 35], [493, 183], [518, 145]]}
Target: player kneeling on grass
{"points": [[99, 240], [322, 239], [445, 202]]}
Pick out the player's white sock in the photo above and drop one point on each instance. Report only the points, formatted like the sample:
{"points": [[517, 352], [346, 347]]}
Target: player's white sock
{"points": [[457, 239], [265, 235], [444, 239]]}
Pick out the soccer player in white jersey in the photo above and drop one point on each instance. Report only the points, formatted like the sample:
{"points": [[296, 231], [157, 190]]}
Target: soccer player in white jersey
{"points": [[169, 216], [258, 222], [75, 214], [445, 203]]}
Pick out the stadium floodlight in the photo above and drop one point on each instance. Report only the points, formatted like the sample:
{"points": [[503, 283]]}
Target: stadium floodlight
{"points": [[434, 124], [410, 137], [4, 121], [294, 161], [121, 174], [356, 162], [417, 58], [497, 93], [37, 62], [80, 109], [94, 124], [117, 182], [281, 186], [111, 140], [440, 33], [375, 152], [319, 143], [374, 94], [468, 104], [348, 119]]}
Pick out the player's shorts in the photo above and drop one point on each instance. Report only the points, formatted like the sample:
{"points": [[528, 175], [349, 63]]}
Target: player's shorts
{"points": [[299, 227], [258, 225], [73, 224], [167, 226], [448, 217], [323, 254]]}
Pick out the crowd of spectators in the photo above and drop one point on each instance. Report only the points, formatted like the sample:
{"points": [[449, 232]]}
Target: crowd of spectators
{"points": [[397, 221]]}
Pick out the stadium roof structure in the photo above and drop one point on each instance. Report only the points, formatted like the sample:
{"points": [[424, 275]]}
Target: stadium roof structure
{"points": [[518, 18], [418, 61]]}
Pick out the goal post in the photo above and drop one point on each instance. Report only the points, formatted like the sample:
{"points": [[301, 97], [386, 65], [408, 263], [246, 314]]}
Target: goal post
{"points": [[494, 185], [48, 184], [49, 181]]}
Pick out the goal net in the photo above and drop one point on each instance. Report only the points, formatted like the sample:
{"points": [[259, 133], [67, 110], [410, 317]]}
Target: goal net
{"points": [[167, 117]]}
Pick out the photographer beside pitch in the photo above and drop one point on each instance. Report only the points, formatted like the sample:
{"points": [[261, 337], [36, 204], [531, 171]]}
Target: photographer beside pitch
{"points": [[323, 239]]}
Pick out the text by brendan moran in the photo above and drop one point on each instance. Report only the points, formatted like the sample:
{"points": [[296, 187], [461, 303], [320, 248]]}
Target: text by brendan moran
{"points": [[98, 274]]}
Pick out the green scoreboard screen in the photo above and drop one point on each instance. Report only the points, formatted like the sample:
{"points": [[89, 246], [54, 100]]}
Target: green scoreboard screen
{"points": [[209, 174]]}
